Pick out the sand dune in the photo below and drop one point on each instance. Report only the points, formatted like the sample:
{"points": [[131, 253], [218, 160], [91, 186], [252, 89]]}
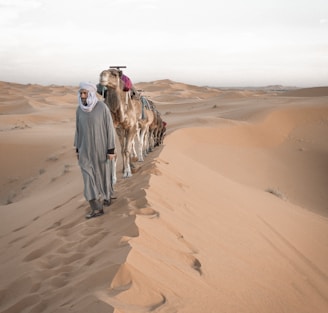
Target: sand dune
{"points": [[308, 92], [229, 215]]}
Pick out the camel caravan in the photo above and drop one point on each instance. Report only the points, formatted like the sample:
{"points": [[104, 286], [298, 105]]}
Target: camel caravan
{"points": [[138, 123]]}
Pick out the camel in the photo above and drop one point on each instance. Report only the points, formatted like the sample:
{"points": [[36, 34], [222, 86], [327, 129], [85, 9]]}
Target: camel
{"points": [[145, 121], [155, 128], [162, 133], [128, 115]]}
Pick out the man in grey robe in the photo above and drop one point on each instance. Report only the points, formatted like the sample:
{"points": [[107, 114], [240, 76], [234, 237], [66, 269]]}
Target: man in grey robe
{"points": [[95, 147]]}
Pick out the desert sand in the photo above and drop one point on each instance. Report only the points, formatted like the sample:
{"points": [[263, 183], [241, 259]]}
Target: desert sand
{"points": [[229, 215]]}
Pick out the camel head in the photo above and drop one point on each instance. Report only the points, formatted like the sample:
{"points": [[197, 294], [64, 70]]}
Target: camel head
{"points": [[110, 78]]}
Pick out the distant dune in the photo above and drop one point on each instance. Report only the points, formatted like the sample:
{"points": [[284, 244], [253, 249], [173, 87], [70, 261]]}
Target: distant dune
{"points": [[308, 92]]}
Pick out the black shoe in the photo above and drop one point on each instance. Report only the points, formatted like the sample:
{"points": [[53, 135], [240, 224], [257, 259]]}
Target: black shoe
{"points": [[106, 202], [94, 213]]}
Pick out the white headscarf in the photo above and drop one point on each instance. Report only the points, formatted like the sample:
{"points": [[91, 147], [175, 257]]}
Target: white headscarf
{"points": [[92, 96]]}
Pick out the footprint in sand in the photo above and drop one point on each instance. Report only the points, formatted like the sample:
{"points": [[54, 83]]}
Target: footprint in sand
{"points": [[148, 212], [60, 281], [158, 160], [19, 228], [192, 249], [54, 225], [37, 253], [91, 231], [66, 248], [32, 241], [16, 239], [50, 261], [69, 229], [156, 171], [124, 280], [13, 296], [21, 304], [196, 265], [72, 258], [93, 259]]}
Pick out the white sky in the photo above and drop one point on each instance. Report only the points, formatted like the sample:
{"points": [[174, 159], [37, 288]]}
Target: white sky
{"points": [[203, 42]]}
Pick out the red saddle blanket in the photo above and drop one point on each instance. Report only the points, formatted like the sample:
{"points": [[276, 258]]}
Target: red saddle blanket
{"points": [[126, 82]]}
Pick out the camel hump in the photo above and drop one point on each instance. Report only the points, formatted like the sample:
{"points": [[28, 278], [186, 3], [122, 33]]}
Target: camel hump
{"points": [[126, 82]]}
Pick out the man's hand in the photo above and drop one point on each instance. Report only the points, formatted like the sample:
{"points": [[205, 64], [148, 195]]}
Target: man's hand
{"points": [[111, 157]]}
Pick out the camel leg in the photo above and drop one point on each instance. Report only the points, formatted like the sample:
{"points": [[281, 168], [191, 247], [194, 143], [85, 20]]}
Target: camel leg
{"points": [[161, 138], [127, 169], [155, 138], [126, 160], [138, 139], [121, 133], [141, 146], [126, 139], [146, 143], [151, 141], [130, 136], [133, 149]]}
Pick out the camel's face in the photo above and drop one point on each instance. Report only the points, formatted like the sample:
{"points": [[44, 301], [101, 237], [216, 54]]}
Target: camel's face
{"points": [[109, 78]]}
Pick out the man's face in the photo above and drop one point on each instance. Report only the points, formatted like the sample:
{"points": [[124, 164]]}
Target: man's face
{"points": [[84, 96]]}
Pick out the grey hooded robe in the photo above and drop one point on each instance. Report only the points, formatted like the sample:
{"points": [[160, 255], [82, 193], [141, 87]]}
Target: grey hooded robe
{"points": [[94, 136]]}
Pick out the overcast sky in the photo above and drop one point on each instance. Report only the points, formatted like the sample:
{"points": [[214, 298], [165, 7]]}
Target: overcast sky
{"points": [[203, 42]]}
